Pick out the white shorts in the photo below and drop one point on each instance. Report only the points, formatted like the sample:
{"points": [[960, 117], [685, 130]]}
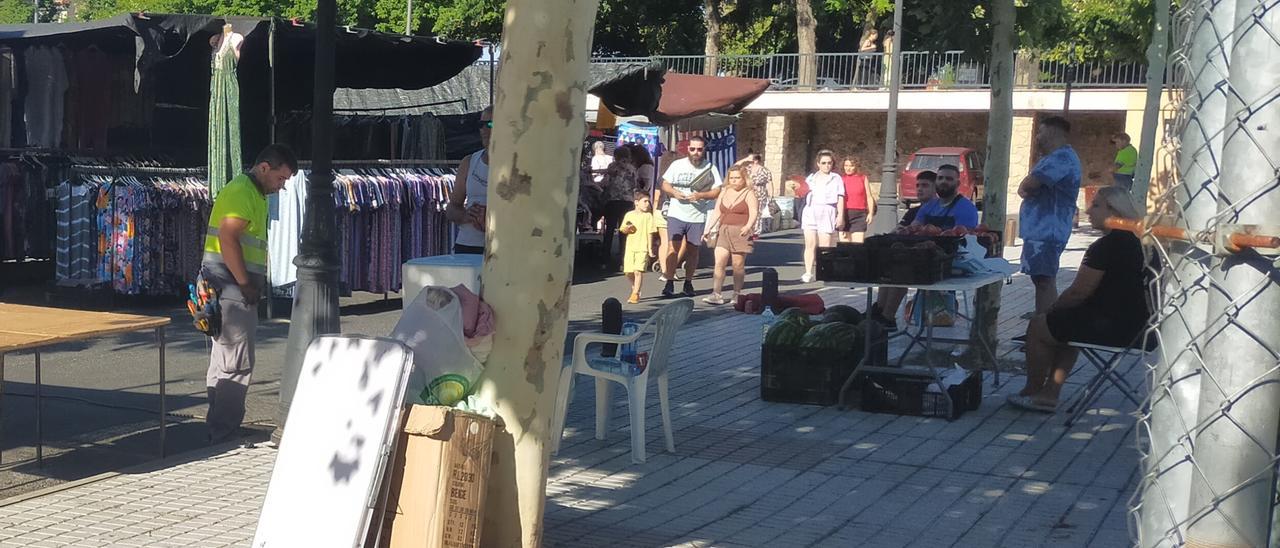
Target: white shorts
{"points": [[819, 217]]}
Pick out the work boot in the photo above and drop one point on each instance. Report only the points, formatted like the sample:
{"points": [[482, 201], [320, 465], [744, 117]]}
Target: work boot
{"points": [[669, 290], [688, 289]]}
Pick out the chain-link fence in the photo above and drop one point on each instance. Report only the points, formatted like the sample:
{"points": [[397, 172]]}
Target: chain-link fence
{"points": [[1209, 430]]}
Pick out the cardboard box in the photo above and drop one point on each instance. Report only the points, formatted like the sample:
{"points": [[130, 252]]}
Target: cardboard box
{"points": [[439, 479]]}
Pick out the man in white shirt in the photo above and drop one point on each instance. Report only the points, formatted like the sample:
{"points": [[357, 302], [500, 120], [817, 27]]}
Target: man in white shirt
{"points": [[693, 185]]}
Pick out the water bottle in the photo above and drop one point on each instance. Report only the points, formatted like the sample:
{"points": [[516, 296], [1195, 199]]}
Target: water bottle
{"points": [[628, 351], [766, 319]]}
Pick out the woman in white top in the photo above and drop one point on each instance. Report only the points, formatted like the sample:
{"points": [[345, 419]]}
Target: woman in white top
{"points": [[823, 211], [600, 162]]}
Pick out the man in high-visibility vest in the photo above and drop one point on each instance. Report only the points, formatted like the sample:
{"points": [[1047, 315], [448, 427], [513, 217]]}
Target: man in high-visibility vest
{"points": [[235, 264]]}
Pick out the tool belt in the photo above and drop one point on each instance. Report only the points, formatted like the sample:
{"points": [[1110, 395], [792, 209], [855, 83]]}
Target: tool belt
{"points": [[205, 309]]}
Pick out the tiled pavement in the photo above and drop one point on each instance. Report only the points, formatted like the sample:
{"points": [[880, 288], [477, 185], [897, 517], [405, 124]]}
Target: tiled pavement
{"points": [[745, 472]]}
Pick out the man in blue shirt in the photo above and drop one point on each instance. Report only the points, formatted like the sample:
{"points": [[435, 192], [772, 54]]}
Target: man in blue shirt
{"points": [[949, 209], [1049, 195]]}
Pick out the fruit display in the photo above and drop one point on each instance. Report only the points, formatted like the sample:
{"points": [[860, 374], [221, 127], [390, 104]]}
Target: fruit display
{"points": [[985, 235], [831, 336], [789, 333], [795, 315], [842, 313]]}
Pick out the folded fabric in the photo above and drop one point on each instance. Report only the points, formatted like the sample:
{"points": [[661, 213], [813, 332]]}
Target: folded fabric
{"points": [[477, 315]]}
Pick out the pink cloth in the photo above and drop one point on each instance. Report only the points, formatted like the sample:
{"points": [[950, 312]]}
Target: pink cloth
{"points": [[477, 315]]}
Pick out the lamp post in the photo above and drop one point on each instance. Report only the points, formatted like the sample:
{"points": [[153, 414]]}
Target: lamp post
{"points": [[315, 299], [888, 202]]}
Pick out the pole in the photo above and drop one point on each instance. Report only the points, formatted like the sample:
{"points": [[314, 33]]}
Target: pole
{"points": [[1157, 55], [888, 201], [493, 65], [315, 297], [537, 139], [271, 135], [999, 141], [1231, 491], [408, 18], [1166, 484]]}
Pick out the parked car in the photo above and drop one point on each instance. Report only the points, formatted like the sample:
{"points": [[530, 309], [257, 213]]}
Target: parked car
{"points": [[968, 160]]}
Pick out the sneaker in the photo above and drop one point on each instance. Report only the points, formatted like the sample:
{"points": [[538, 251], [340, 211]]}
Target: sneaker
{"points": [[806, 278], [662, 278], [714, 298], [688, 289], [634, 299], [669, 290]]}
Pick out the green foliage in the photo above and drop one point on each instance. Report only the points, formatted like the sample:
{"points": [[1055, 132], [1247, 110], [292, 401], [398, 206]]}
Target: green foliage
{"points": [[15, 12], [1061, 30]]}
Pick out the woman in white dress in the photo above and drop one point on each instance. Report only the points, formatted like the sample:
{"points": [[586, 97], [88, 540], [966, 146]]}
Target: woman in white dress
{"points": [[823, 211]]}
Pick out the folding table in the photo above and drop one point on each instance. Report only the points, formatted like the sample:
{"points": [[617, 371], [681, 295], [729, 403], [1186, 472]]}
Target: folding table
{"points": [[33, 328]]}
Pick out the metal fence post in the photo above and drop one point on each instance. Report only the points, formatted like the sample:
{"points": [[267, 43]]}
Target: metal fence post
{"points": [[1235, 441], [1164, 493]]}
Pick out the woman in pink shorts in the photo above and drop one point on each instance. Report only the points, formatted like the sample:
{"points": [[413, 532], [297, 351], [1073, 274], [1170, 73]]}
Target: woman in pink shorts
{"points": [[823, 211]]}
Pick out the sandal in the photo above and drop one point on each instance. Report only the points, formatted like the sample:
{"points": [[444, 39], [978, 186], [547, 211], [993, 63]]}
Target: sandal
{"points": [[635, 299], [1029, 404], [714, 298]]}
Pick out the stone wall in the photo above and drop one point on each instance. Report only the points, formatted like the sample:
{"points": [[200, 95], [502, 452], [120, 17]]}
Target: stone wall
{"points": [[861, 134]]}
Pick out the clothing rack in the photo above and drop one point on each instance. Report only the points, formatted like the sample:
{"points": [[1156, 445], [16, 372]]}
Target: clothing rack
{"points": [[356, 111], [137, 170], [384, 163]]}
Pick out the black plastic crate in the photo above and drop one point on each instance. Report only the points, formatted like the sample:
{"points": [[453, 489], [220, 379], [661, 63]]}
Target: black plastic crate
{"points": [[949, 244], [908, 395], [814, 376], [845, 263], [799, 375], [910, 266]]}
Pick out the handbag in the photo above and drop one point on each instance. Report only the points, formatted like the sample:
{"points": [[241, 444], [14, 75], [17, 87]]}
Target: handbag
{"points": [[703, 181]]}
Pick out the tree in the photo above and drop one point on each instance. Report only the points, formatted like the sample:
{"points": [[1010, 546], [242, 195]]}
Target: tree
{"points": [[711, 12], [529, 247], [806, 44], [15, 12]]}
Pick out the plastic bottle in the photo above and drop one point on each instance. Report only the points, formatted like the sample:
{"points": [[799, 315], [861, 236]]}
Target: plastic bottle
{"points": [[766, 320], [628, 352]]}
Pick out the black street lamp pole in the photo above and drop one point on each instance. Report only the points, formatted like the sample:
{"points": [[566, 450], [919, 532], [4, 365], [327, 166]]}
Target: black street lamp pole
{"points": [[315, 299]]}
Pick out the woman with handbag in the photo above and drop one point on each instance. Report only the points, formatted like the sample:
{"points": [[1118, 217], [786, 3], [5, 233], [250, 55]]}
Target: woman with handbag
{"points": [[823, 211], [732, 222]]}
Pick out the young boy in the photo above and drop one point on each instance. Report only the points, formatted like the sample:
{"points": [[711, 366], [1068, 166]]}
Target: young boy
{"points": [[638, 225]]}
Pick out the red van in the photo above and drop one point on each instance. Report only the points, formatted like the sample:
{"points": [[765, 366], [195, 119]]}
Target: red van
{"points": [[968, 160]]}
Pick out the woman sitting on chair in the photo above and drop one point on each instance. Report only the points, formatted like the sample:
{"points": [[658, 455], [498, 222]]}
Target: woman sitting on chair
{"points": [[1105, 305]]}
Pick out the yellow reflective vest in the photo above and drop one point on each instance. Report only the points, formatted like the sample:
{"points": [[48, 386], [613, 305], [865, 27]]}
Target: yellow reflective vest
{"points": [[240, 199]]}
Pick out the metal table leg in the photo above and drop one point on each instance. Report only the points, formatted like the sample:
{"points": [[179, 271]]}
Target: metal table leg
{"points": [[39, 418], [1, 405], [866, 353], [922, 299], [160, 343]]}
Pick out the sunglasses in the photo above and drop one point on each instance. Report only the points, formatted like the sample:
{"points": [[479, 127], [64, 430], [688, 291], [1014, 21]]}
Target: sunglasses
{"points": [[696, 149], [486, 124]]}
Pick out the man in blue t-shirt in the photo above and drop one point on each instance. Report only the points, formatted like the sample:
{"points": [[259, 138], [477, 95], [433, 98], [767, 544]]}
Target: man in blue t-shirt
{"points": [[1049, 195], [949, 209]]}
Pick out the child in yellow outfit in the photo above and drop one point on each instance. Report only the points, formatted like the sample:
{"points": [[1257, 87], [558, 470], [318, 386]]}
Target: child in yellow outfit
{"points": [[638, 225]]}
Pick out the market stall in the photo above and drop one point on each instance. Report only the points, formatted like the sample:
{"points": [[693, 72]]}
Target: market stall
{"points": [[134, 97]]}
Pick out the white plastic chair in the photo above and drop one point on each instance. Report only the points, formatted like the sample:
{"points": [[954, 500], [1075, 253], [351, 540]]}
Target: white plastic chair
{"points": [[663, 325]]}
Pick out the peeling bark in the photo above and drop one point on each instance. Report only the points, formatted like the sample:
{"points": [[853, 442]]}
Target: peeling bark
{"points": [[533, 170]]}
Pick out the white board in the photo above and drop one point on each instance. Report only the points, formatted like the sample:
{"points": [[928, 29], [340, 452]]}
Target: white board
{"points": [[341, 429]]}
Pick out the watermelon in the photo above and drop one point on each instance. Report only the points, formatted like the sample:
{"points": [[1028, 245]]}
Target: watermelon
{"points": [[788, 333], [831, 336], [795, 315], [842, 313]]}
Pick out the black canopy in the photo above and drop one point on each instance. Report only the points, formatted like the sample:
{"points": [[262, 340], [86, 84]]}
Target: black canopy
{"points": [[173, 52]]}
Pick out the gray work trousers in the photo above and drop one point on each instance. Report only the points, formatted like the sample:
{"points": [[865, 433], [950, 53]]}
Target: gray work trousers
{"points": [[230, 368]]}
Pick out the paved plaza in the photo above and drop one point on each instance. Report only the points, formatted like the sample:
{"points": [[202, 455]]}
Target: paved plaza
{"points": [[745, 472]]}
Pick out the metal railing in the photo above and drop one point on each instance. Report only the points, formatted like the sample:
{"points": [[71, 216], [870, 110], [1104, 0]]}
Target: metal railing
{"points": [[920, 70]]}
